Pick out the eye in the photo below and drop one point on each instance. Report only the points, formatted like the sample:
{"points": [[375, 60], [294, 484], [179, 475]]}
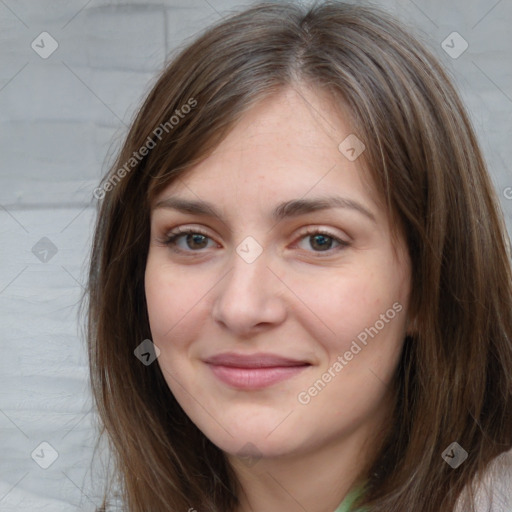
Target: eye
{"points": [[322, 241], [194, 239]]}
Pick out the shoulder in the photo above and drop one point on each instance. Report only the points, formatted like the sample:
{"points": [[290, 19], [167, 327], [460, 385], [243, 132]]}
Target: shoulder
{"points": [[494, 489]]}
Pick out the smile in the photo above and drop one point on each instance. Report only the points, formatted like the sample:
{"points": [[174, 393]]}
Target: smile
{"points": [[255, 371]]}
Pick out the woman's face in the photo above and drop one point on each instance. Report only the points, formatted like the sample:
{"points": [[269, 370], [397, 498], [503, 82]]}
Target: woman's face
{"points": [[279, 320]]}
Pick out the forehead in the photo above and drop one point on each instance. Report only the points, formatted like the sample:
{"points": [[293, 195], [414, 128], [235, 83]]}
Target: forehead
{"points": [[288, 142], [302, 119]]}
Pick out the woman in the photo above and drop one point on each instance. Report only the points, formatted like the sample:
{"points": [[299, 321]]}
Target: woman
{"points": [[300, 289]]}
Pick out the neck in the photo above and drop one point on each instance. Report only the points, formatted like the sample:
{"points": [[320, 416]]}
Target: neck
{"points": [[317, 479]]}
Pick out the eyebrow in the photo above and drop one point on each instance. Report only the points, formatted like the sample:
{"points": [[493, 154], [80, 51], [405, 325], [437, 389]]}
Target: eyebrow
{"points": [[292, 208]]}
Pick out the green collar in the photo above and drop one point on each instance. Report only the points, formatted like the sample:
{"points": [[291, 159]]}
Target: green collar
{"points": [[346, 504]]}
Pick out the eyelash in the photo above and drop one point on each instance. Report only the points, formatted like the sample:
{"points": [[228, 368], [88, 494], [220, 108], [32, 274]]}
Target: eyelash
{"points": [[173, 236]]}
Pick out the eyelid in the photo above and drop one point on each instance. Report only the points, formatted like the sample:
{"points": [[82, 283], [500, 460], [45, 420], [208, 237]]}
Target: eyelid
{"points": [[187, 229]]}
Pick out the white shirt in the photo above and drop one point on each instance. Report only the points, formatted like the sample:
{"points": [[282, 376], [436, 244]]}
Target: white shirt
{"points": [[494, 492]]}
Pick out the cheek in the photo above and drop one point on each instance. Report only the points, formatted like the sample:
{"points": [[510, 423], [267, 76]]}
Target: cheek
{"points": [[372, 325], [170, 298], [365, 302]]}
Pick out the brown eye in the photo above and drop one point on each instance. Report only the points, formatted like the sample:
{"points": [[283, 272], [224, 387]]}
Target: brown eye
{"points": [[322, 241], [194, 240]]}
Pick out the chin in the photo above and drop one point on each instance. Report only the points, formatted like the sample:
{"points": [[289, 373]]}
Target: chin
{"points": [[255, 441], [255, 449]]}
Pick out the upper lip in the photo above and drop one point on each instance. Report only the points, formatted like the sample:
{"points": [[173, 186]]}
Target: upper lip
{"points": [[259, 360]]}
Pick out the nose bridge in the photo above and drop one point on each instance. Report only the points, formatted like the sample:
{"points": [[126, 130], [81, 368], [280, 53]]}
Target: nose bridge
{"points": [[249, 276], [248, 294]]}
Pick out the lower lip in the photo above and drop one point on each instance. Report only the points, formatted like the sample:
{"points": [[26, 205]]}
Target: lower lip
{"points": [[255, 378]]}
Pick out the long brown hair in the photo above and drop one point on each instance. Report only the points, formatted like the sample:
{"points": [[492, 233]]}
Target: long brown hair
{"points": [[454, 380]]}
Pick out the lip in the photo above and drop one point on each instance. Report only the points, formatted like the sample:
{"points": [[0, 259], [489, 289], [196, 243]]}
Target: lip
{"points": [[254, 371]]}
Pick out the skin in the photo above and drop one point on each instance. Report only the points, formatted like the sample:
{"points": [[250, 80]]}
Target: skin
{"points": [[294, 300]]}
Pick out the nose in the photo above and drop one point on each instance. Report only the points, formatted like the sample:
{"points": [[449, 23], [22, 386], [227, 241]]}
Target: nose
{"points": [[250, 297]]}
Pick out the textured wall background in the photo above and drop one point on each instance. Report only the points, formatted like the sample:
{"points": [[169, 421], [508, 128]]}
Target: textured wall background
{"points": [[61, 114]]}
